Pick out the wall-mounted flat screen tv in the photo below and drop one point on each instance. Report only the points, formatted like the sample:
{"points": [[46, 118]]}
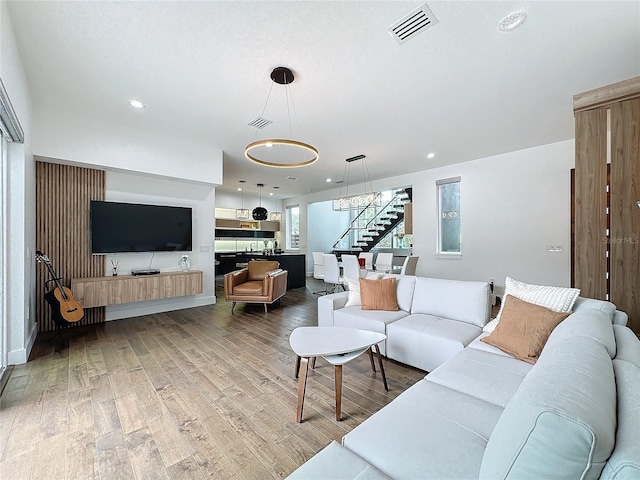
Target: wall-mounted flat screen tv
{"points": [[132, 227]]}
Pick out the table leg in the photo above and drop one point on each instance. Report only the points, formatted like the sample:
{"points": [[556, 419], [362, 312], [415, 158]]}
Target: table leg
{"points": [[302, 384], [338, 391], [373, 364], [297, 367], [384, 378]]}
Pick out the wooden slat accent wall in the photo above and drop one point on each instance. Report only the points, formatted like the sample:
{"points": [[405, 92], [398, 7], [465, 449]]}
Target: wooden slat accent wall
{"points": [[590, 203], [63, 194], [625, 215], [607, 95]]}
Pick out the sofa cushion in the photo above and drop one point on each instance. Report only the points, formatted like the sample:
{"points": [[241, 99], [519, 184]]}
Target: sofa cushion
{"points": [[353, 287], [478, 344], [339, 463], [426, 341], [373, 320], [627, 345], [378, 294], [624, 462], [524, 328], [404, 292], [428, 431], [249, 288], [561, 422], [464, 301], [491, 378], [558, 299], [592, 324], [589, 303]]}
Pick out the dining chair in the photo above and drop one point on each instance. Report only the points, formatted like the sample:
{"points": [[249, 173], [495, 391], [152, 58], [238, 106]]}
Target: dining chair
{"points": [[368, 260], [350, 267], [384, 262], [318, 270], [409, 266], [332, 272]]}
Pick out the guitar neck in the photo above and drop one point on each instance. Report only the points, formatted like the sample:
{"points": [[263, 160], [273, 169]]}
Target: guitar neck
{"points": [[55, 279]]}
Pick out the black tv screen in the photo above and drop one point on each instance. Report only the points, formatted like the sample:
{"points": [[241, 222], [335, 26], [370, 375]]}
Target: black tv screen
{"points": [[131, 227]]}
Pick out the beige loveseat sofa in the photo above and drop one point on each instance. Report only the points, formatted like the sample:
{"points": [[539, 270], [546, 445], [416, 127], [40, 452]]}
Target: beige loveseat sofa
{"points": [[485, 414]]}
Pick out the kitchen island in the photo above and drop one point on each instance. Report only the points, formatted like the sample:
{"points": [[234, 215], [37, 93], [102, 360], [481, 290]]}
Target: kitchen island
{"points": [[294, 263]]}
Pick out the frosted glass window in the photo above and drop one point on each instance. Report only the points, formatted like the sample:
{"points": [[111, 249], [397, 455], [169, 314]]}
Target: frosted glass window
{"points": [[449, 231], [293, 227]]}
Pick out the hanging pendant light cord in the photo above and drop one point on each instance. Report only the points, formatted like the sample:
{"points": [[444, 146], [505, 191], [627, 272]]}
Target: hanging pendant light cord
{"points": [[264, 109]]}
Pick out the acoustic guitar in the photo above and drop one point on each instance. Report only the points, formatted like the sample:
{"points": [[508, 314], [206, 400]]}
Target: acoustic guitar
{"points": [[64, 307]]}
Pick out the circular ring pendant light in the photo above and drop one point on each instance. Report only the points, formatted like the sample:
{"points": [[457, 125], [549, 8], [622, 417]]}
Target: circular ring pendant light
{"points": [[295, 152]]}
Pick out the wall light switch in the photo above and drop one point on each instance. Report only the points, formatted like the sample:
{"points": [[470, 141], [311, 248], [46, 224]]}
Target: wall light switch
{"points": [[554, 248], [204, 248]]}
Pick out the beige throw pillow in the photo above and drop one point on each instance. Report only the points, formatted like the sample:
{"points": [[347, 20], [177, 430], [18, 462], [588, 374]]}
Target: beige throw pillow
{"points": [[379, 294], [353, 286], [558, 299], [524, 328]]}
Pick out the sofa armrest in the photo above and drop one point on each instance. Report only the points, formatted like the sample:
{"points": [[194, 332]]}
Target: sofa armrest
{"points": [[267, 282], [275, 283], [336, 461], [620, 318], [234, 278], [327, 304]]}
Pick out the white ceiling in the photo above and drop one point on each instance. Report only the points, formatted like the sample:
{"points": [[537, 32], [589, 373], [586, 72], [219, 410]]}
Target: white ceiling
{"points": [[461, 89]]}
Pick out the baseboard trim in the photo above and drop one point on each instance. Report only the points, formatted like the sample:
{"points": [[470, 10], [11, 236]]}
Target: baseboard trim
{"points": [[118, 312], [20, 356]]}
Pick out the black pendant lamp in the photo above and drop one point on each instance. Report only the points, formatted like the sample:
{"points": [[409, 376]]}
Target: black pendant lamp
{"points": [[260, 213]]}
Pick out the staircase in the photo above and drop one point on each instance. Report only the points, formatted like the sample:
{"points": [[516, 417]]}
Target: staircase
{"points": [[372, 224]]}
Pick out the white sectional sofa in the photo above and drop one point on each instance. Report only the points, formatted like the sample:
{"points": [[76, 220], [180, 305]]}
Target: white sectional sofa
{"points": [[482, 413], [436, 318]]}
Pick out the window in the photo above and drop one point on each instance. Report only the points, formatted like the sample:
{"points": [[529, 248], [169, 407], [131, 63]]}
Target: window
{"points": [[449, 216], [293, 227]]}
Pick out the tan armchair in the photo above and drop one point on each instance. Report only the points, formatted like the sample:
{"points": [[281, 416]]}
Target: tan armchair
{"points": [[260, 282]]}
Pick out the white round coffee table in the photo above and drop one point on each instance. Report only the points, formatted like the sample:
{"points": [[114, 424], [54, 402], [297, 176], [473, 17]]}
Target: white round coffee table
{"points": [[337, 346]]}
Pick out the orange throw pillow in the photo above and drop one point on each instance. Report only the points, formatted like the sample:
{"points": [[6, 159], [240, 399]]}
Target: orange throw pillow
{"points": [[524, 328], [379, 294]]}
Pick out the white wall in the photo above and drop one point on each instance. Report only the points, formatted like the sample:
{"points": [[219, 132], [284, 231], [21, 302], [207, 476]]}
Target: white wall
{"points": [[19, 245], [89, 142], [141, 167], [321, 234], [512, 206], [139, 188]]}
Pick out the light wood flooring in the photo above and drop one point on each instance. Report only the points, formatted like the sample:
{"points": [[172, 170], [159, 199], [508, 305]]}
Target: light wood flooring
{"points": [[195, 393]]}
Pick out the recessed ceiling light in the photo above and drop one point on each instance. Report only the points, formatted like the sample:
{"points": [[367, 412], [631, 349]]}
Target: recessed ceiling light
{"points": [[431, 155], [271, 194], [136, 104], [328, 180], [512, 21], [239, 189]]}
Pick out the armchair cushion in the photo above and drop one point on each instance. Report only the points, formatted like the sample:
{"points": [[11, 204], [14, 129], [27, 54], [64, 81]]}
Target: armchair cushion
{"points": [[257, 269], [249, 288]]}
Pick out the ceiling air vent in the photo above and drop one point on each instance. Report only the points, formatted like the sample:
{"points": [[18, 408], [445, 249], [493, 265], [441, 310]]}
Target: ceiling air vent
{"points": [[412, 24], [260, 122]]}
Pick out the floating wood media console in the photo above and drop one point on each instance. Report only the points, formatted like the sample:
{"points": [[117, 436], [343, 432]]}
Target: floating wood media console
{"points": [[101, 291]]}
